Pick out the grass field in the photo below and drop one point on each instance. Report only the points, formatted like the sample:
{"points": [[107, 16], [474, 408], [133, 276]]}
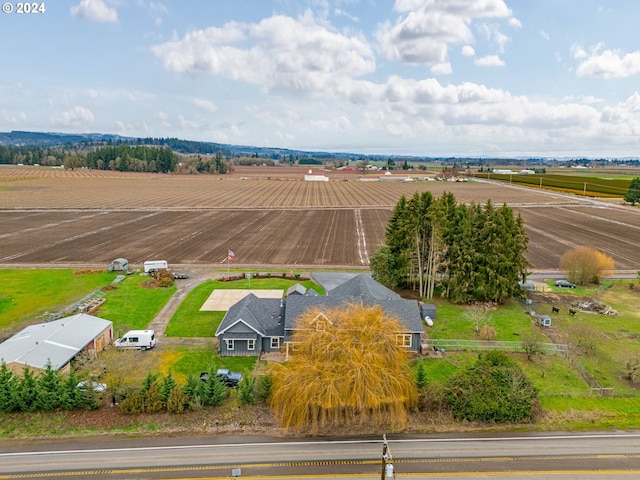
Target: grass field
{"points": [[593, 186], [25, 295]]}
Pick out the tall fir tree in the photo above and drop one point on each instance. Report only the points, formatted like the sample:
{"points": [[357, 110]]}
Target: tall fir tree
{"points": [[8, 389]]}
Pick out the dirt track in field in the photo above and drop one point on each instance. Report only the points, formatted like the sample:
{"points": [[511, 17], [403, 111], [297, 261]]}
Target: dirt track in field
{"points": [[268, 217]]}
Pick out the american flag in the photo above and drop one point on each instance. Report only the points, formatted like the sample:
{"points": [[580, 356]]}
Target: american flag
{"points": [[231, 255]]}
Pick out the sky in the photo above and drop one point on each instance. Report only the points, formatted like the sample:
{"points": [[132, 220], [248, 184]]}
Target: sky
{"points": [[552, 78]]}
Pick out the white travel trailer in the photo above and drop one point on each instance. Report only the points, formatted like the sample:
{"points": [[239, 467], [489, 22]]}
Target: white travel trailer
{"points": [[139, 339], [151, 266]]}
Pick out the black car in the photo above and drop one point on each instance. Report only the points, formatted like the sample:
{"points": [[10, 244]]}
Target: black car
{"points": [[565, 284], [229, 378]]}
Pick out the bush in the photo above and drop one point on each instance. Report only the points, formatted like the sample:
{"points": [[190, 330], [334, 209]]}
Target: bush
{"points": [[494, 389], [153, 399], [178, 401], [132, 404]]}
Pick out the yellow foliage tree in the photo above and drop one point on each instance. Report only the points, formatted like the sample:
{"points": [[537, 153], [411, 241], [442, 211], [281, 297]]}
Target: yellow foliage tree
{"points": [[346, 368], [585, 265]]}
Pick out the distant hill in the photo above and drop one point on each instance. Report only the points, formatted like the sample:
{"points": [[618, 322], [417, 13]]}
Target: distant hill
{"points": [[45, 139]]}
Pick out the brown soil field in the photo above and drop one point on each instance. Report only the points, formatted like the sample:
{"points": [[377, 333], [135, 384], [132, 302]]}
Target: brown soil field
{"points": [[268, 216]]}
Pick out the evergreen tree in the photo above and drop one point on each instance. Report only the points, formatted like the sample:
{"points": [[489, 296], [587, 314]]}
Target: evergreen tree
{"points": [[213, 391], [633, 194], [166, 387], [8, 389], [49, 389], [153, 399], [27, 393], [421, 376], [178, 401], [246, 389], [383, 267], [74, 398], [191, 386]]}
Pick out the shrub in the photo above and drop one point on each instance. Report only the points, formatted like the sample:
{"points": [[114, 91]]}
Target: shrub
{"points": [[178, 401], [494, 389], [153, 399], [132, 404]]}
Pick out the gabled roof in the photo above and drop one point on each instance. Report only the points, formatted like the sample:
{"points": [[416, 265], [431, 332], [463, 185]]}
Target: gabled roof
{"points": [[296, 289], [264, 315], [365, 287], [56, 342], [406, 311]]}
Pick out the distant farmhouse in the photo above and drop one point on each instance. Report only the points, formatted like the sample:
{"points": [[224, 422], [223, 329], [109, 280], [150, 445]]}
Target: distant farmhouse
{"points": [[57, 342], [261, 325]]}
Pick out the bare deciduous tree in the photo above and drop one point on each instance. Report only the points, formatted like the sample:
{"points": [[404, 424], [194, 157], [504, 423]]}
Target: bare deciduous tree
{"points": [[585, 265]]}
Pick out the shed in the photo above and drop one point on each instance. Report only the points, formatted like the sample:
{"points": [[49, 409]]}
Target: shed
{"points": [[428, 310], [56, 342], [119, 265]]}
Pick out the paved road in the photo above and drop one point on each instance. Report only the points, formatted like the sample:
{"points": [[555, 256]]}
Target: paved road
{"points": [[605, 455]]}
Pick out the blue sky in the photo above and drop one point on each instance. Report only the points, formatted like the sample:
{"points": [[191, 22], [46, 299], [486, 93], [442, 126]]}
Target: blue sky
{"points": [[419, 77]]}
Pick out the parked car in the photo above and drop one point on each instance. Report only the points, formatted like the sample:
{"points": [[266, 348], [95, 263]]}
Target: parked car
{"points": [[89, 385], [226, 376], [565, 284], [180, 276]]}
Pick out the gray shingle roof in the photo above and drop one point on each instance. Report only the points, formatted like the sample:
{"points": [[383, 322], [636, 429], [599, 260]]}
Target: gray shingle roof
{"points": [[363, 286], [262, 314], [57, 341]]}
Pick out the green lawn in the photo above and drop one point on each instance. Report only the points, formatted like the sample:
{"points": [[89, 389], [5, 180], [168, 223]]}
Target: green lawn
{"points": [[132, 306], [25, 295], [189, 321]]}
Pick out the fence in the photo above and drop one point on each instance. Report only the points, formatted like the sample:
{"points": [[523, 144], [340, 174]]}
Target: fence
{"points": [[481, 345]]}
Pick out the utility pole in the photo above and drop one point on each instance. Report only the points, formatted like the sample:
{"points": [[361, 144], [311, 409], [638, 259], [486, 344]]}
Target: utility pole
{"points": [[387, 462]]}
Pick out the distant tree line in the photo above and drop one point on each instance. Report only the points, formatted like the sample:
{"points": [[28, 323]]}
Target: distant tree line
{"points": [[471, 252], [31, 155]]}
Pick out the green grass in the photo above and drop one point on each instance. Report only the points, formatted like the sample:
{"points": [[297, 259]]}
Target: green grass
{"points": [[189, 321], [193, 360], [132, 306], [509, 320], [25, 295]]}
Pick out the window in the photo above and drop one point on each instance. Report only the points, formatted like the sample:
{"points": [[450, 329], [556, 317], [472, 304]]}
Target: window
{"points": [[404, 340], [275, 342], [251, 344], [321, 325], [230, 344]]}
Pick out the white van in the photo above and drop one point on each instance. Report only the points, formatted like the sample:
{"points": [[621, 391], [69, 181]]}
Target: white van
{"points": [[151, 266], [141, 339]]}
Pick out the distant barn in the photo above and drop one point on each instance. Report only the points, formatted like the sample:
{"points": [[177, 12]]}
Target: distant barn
{"points": [[119, 265]]}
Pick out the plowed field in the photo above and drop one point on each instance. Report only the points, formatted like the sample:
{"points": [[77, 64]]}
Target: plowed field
{"points": [[267, 216]]}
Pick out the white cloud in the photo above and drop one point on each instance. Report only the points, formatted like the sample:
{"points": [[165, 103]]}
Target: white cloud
{"points": [[515, 23], [545, 35], [468, 51], [443, 68], [76, 117], [341, 13], [300, 55], [426, 28], [95, 11], [490, 61], [205, 104], [607, 63]]}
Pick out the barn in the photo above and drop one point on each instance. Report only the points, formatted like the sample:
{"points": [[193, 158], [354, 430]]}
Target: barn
{"points": [[56, 342]]}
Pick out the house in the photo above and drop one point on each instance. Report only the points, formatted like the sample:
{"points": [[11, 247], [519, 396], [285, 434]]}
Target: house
{"points": [[255, 325], [57, 342]]}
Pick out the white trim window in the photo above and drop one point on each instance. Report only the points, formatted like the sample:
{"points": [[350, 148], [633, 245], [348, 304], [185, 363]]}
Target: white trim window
{"points": [[230, 343], [275, 342], [251, 344], [403, 340]]}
